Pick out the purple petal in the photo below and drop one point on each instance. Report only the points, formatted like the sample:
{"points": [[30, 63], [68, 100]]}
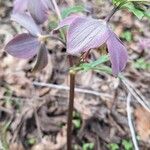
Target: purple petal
{"points": [[67, 21], [23, 46], [42, 58], [48, 4], [20, 6], [38, 11], [85, 34], [27, 22], [118, 53]]}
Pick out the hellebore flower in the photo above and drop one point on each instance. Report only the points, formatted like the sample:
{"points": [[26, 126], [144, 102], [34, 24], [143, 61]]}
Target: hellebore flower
{"points": [[38, 9], [27, 45], [87, 33]]}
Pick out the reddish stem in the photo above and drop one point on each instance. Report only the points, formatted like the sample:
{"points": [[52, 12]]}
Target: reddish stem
{"points": [[70, 111]]}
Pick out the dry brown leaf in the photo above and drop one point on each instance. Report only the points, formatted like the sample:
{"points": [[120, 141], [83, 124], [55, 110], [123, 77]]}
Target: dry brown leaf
{"points": [[48, 145], [16, 146], [143, 123]]}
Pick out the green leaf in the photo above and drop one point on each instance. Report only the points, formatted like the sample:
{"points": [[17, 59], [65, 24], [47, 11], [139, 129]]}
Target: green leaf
{"points": [[147, 14], [122, 2], [127, 35], [119, 2], [88, 146], [134, 6], [89, 66], [127, 145], [113, 146], [77, 123], [141, 64], [52, 25], [73, 9], [101, 60], [136, 10], [103, 68], [140, 1], [96, 65], [31, 141]]}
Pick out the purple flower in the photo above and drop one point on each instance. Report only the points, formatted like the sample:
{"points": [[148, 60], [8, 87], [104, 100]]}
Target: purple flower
{"points": [[27, 45], [144, 44], [87, 33], [38, 9]]}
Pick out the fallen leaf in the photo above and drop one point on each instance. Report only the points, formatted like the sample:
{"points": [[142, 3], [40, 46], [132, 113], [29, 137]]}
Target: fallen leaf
{"points": [[143, 123], [16, 146]]}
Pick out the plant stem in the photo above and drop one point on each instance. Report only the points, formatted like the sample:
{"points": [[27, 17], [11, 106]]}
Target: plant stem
{"points": [[45, 37], [72, 87], [57, 9], [107, 19], [59, 17], [70, 110]]}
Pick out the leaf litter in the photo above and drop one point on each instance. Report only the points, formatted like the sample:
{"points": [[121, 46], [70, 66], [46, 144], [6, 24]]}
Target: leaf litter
{"points": [[35, 117]]}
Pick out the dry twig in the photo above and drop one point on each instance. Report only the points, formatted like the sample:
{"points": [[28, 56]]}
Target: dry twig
{"points": [[129, 115]]}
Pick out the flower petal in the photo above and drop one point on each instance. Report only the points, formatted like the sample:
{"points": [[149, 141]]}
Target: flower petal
{"points": [[118, 53], [48, 4], [67, 21], [23, 46], [20, 6], [85, 33], [42, 58], [38, 11], [27, 22]]}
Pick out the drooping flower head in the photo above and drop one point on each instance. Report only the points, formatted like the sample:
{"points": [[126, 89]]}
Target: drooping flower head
{"points": [[87, 33], [27, 45], [38, 9]]}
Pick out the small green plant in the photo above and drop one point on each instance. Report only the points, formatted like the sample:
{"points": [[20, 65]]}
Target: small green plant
{"points": [[88, 146], [127, 144], [77, 120], [113, 146], [141, 64], [31, 141], [127, 35]]}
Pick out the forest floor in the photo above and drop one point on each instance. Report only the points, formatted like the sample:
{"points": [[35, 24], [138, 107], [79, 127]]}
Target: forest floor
{"points": [[33, 116]]}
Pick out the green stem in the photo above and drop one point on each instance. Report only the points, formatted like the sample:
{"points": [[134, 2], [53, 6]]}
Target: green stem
{"points": [[59, 17], [70, 110]]}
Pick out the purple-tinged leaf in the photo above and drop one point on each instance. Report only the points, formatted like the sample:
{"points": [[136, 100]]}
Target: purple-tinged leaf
{"points": [[118, 53], [23, 46], [27, 22], [68, 21], [42, 59], [20, 6], [38, 11], [85, 34]]}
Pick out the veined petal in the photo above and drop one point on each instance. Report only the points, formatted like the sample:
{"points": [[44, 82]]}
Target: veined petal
{"points": [[38, 11], [67, 21], [42, 58], [23, 46], [118, 53], [20, 6], [85, 33], [27, 22]]}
